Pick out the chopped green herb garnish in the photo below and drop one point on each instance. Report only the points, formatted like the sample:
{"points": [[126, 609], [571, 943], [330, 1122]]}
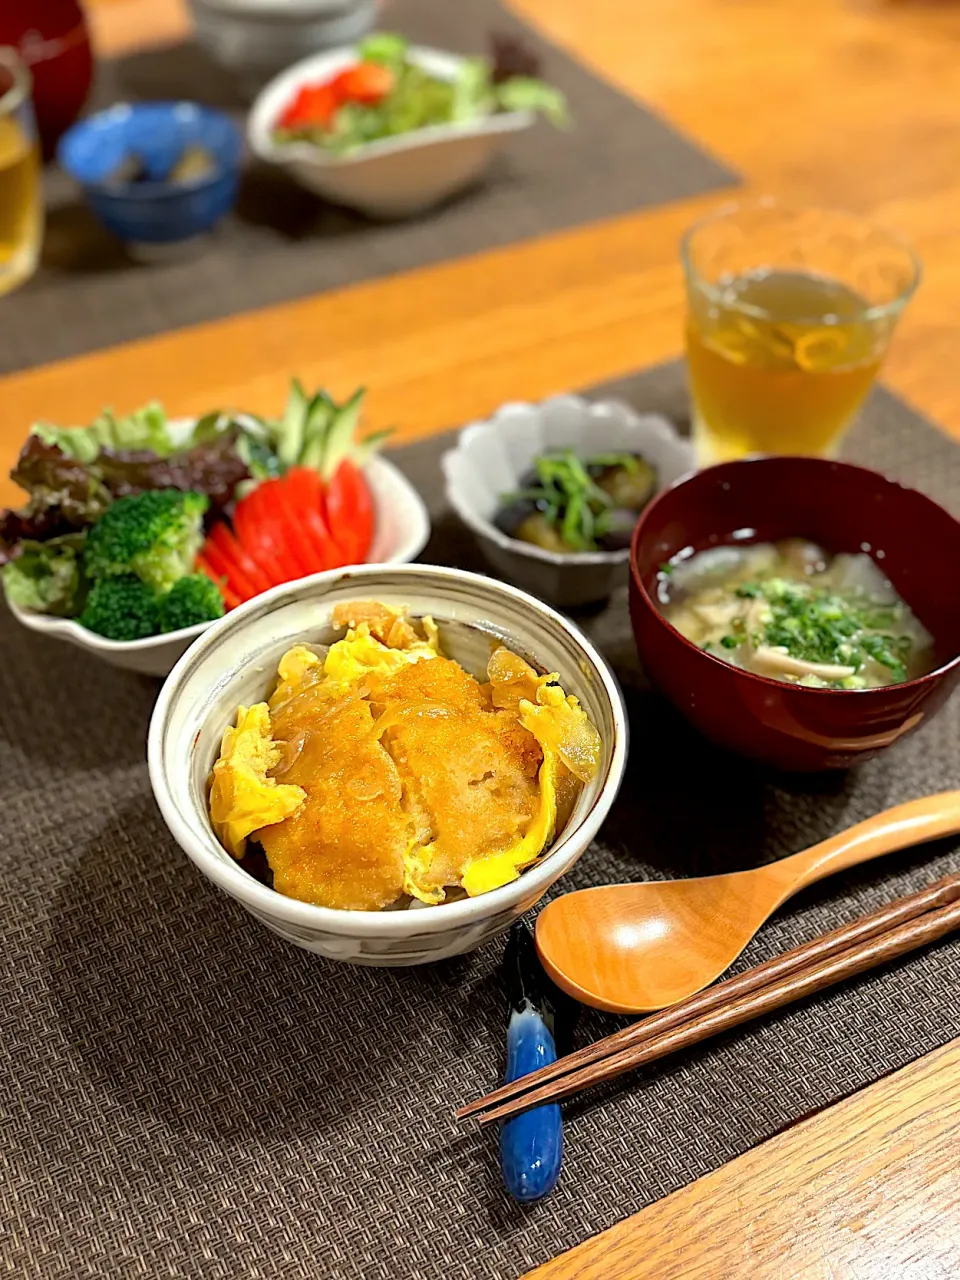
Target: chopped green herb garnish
{"points": [[818, 626], [882, 649], [568, 497], [626, 460]]}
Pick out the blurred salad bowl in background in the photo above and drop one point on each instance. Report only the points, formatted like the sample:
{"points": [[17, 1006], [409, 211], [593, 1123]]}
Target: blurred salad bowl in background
{"points": [[391, 128], [140, 531]]}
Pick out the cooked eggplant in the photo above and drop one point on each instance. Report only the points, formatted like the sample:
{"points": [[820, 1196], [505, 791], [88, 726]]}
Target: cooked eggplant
{"points": [[193, 164], [568, 504], [512, 514], [622, 521], [538, 529], [131, 169], [630, 487]]}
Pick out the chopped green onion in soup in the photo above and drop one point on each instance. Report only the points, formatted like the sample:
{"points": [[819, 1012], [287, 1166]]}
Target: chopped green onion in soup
{"points": [[792, 612]]}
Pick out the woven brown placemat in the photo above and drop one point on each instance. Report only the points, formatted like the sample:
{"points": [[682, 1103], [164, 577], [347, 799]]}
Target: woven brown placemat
{"points": [[283, 243], [187, 1095]]}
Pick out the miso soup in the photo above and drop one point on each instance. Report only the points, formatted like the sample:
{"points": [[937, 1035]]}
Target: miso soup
{"points": [[792, 611]]}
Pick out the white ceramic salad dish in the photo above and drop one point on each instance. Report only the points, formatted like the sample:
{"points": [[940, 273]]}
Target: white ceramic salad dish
{"points": [[401, 532], [490, 457], [235, 663], [393, 177]]}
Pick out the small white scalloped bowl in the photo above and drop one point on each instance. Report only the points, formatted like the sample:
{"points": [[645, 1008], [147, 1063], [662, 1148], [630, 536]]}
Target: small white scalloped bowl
{"points": [[490, 457], [235, 663], [393, 177], [401, 532]]}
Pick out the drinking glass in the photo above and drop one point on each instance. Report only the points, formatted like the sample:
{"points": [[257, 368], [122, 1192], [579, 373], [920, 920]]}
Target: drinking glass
{"points": [[789, 315], [21, 198]]}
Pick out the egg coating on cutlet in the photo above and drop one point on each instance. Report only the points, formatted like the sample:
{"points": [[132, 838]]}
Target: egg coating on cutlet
{"points": [[407, 778]]}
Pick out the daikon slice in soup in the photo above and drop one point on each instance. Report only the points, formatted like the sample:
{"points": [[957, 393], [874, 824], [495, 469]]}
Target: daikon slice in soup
{"points": [[792, 611]]}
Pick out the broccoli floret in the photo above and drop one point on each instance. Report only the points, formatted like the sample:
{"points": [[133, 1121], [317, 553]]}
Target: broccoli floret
{"points": [[46, 576], [122, 609], [154, 535], [191, 600]]}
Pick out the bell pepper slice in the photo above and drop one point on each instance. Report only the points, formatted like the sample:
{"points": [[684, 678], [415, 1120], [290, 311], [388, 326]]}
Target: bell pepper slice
{"points": [[304, 488], [229, 572], [313, 105], [365, 82], [221, 536], [277, 512], [230, 597], [350, 512], [260, 537]]}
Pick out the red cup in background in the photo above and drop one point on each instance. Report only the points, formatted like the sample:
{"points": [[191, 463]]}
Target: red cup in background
{"points": [[52, 40]]}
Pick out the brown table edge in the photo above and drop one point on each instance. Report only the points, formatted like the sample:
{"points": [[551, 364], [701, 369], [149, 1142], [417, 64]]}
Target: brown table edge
{"points": [[783, 1205]]}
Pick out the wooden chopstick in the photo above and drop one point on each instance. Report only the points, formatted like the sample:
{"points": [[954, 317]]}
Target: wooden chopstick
{"points": [[899, 927], [847, 964], [887, 917]]}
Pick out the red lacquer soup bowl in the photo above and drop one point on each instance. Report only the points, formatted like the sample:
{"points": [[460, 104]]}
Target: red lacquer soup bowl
{"points": [[842, 508]]}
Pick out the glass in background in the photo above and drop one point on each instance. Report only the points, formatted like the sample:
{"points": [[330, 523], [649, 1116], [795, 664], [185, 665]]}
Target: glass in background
{"points": [[21, 197], [789, 315]]}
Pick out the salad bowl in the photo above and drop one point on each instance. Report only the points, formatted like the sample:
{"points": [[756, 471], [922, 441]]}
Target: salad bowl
{"points": [[392, 177], [401, 531], [233, 664]]}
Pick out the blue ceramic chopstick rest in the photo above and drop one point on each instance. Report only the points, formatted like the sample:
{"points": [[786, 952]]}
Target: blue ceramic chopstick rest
{"points": [[531, 1144]]}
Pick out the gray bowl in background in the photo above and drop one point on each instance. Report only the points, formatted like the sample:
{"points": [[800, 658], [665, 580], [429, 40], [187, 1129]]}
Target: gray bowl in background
{"points": [[253, 40]]}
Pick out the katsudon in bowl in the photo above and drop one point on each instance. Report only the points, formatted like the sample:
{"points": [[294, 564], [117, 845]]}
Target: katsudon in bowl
{"points": [[388, 766]]}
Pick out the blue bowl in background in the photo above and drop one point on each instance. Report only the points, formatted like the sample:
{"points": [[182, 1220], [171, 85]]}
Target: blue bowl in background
{"points": [[154, 211]]}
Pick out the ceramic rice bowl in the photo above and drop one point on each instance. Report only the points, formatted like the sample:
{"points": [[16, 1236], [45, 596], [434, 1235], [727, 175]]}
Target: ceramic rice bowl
{"points": [[235, 662]]}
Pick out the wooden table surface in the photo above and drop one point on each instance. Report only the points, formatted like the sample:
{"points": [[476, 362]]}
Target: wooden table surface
{"points": [[844, 102]]}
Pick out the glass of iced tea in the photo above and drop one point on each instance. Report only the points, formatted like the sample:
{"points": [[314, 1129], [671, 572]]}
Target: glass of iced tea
{"points": [[21, 198], [789, 315]]}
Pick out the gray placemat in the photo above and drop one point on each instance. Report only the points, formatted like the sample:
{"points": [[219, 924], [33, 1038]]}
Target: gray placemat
{"points": [[283, 243], [187, 1095]]}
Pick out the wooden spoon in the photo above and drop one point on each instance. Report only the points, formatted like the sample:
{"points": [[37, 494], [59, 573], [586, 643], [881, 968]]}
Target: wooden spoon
{"points": [[631, 948]]}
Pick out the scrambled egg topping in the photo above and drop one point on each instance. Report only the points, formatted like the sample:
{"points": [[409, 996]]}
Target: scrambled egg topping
{"points": [[243, 798], [401, 773]]}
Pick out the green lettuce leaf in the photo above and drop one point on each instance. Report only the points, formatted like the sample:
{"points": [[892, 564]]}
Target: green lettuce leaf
{"points": [[47, 577], [523, 93], [67, 492], [145, 428], [472, 90], [385, 47], [213, 467], [64, 495]]}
